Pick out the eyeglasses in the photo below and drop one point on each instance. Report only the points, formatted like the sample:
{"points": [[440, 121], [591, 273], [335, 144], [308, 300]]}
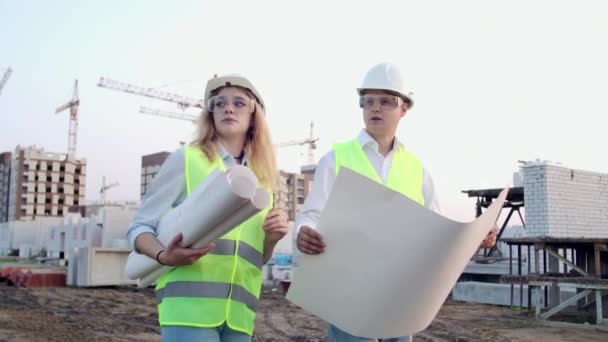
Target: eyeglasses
{"points": [[238, 103], [387, 102]]}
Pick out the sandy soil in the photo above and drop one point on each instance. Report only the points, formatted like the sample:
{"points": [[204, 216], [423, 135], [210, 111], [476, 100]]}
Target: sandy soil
{"points": [[127, 314]]}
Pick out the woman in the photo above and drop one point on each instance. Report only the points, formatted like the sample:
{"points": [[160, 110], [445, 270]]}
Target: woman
{"points": [[212, 295]]}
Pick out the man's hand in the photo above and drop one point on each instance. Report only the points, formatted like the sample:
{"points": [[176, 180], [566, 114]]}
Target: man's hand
{"points": [[490, 239], [310, 241], [176, 255], [275, 226]]}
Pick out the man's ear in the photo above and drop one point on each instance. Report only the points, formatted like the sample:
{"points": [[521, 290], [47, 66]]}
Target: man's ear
{"points": [[404, 108]]}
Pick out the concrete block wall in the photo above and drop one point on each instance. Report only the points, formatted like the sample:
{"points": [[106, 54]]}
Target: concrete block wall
{"points": [[95, 266], [115, 221], [489, 293], [5, 236], [61, 240], [498, 294], [13, 234], [564, 202], [106, 228], [64, 238], [20, 233]]}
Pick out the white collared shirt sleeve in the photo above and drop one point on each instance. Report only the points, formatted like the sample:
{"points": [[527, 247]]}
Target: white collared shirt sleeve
{"points": [[428, 192], [167, 190], [324, 178]]}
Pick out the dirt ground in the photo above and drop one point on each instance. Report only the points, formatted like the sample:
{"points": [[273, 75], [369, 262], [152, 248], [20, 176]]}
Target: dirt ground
{"points": [[128, 314]]}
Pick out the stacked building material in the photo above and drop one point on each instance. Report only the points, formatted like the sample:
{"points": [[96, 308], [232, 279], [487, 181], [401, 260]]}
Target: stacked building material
{"points": [[33, 276]]}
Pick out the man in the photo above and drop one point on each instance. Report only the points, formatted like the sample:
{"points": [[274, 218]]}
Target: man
{"points": [[375, 153]]}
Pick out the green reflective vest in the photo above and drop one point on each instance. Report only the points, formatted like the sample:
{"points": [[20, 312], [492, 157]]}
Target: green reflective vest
{"points": [[405, 175], [224, 285]]}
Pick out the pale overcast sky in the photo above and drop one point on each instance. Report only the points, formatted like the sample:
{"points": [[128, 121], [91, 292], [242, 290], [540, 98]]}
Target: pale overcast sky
{"points": [[494, 82]]}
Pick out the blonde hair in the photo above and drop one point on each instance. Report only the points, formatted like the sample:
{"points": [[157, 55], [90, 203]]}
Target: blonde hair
{"points": [[258, 143]]}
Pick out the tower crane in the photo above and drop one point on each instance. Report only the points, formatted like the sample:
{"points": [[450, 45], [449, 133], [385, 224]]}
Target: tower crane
{"points": [[311, 143], [184, 102], [104, 188], [72, 105], [5, 77]]}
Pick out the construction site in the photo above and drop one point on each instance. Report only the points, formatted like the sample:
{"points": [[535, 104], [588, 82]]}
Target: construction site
{"points": [[62, 266]]}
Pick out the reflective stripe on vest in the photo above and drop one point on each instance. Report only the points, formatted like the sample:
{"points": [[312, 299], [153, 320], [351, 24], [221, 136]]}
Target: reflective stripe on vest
{"points": [[208, 290], [245, 251], [405, 175], [224, 285]]}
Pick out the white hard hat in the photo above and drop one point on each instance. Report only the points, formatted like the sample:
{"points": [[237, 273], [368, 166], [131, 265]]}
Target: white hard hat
{"points": [[386, 76], [231, 80]]}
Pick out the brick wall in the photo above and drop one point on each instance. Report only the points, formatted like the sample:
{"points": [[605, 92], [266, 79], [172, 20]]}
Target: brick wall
{"points": [[563, 202]]}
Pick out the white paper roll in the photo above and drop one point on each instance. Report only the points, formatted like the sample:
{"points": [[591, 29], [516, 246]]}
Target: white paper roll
{"points": [[213, 202], [259, 201]]}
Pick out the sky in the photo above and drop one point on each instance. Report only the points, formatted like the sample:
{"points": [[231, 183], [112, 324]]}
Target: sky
{"points": [[494, 82]]}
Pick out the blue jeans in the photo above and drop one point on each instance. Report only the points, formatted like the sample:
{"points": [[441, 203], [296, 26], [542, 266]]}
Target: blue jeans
{"points": [[338, 335], [176, 333]]}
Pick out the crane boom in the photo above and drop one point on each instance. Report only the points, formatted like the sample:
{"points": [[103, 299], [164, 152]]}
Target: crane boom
{"points": [[296, 142], [5, 77], [181, 101], [168, 114], [104, 188], [310, 141]]}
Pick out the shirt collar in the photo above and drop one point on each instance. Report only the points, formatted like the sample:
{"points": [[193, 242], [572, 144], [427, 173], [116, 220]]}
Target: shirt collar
{"points": [[227, 157], [366, 140]]}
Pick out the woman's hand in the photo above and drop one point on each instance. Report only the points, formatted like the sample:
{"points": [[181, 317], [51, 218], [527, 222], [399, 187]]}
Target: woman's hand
{"points": [[275, 226], [176, 255]]}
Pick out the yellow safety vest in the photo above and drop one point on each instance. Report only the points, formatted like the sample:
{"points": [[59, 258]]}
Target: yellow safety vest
{"points": [[224, 285], [405, 175]]}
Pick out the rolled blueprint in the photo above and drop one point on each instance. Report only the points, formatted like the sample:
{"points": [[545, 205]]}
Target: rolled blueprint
{"points": [[250, 208], [201, 216]]}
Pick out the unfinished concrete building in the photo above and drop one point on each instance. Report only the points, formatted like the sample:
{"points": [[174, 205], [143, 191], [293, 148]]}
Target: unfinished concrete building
{"points": [[150, 165], [292, 191], [308, 171], [44, 184], [559, 261], [5, 174]]}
